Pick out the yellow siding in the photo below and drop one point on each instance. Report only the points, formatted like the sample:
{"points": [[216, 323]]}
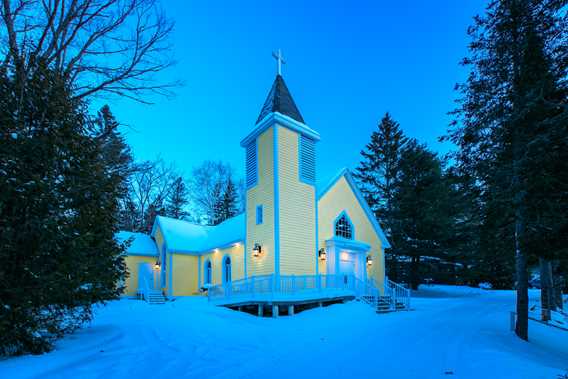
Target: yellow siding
{"points": [[185, 273], [297, 210], [262, 194], [235, 252], [158, 237], [132, 262], [340, 197]]}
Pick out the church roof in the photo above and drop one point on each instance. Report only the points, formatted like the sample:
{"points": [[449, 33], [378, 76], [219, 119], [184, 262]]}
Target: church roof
{"points": [[141, 243], [186, 237], [280, 100]]}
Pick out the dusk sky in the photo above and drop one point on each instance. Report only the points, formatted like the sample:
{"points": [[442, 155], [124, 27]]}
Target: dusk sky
{"points": [[348, 62]]}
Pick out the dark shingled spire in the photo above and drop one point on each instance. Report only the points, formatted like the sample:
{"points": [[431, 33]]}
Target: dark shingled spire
{"points": [[280, 100]]}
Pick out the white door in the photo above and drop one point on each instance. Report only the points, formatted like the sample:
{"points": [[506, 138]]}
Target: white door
{"points": [[346, 263], [346, 267]]}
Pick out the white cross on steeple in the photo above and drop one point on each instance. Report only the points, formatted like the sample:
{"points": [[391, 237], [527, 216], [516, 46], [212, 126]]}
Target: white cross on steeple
{"points": [[280, 59]]}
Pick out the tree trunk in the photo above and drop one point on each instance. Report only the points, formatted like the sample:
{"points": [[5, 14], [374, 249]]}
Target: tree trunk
{"points": [[546, 288], [414, 275], [522, 325]]}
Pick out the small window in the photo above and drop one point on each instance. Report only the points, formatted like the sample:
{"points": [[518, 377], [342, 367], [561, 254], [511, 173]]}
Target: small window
{"points": [[259, 214], [343, 227], [208, 272]]}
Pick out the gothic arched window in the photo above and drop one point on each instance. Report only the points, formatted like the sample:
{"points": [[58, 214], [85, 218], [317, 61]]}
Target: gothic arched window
{"points": [[226, 269], [343, 227], [208, 272]]}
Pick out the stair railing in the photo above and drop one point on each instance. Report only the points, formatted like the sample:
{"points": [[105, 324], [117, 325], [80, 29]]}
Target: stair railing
{"points": [[398, 294]]}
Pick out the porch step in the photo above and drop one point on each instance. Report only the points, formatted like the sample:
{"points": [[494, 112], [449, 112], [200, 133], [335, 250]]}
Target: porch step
{"points": [[384, 304], [155, 297]]}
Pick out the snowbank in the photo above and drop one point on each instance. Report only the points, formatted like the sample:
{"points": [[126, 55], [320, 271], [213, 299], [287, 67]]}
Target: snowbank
{"points": [[465, 334]]}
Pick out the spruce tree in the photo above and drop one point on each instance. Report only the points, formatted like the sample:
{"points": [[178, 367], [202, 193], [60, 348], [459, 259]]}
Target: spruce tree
{"points": [[217, 198], [178, 200], [422, 209], [59, 192], [377, 174], [230, 200], [511, 103]]}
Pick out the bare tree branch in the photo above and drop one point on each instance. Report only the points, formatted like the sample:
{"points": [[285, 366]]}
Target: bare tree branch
{"points": [[100, 46]]}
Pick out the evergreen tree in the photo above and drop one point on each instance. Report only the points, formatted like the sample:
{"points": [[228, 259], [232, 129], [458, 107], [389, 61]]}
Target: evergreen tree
{"points": [[59, 192], [217, 198], [422, 208], [230, 200], [511, 103], [177, 200], [377, 174], [115, 151]]}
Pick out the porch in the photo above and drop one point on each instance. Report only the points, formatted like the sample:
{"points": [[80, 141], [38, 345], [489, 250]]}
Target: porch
{"points": [[293, 290]]}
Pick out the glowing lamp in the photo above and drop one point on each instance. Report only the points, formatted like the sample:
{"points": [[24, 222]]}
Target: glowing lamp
{"points": [[369, 260], [256, 250], [157, 266], [322, 254]]}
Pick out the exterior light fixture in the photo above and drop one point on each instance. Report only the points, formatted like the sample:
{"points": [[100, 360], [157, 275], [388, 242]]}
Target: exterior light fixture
{"points": [[256, 250], [157, 265], [322, 254], [369, 260]]}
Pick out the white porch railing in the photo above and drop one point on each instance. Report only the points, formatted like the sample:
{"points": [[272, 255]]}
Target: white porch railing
{"points": [[303, 287], [286, 286]]}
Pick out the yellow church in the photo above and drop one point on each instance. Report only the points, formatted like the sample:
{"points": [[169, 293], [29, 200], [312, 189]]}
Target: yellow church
{"points": [[294, 245]]}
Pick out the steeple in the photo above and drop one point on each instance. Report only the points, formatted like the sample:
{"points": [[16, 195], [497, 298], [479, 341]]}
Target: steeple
{"points": [[280, 100]]}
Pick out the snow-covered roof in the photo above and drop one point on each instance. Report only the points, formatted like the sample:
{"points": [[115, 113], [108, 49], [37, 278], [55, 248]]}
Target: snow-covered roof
{"points": [[142, 244], [186, 237]]}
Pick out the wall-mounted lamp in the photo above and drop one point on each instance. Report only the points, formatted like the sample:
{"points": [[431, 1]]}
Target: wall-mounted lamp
{"points": [[322, 254], [256, 250], [369, 260], [157, 265]]}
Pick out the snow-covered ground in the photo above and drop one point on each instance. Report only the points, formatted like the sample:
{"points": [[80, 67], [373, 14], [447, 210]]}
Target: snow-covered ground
{"points": [[452, 332]]}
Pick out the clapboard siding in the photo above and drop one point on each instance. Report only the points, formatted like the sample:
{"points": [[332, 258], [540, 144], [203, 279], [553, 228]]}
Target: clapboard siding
{"points": [[340, 198], [297, 210], [262, 194], [235, 252], [185, 274]]}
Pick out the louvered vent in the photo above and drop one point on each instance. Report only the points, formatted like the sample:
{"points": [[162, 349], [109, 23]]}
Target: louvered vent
{"points": [[307, 160], [252, 165]]}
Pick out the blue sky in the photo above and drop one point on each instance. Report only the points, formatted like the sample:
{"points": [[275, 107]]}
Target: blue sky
{"points": [[348, 62]]}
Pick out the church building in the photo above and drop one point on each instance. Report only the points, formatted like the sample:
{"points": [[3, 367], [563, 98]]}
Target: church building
{"points": [[294, 242]]}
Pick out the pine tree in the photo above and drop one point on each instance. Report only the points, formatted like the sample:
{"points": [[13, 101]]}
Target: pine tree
{"points": [[230, 200], [177, 200], [422, 209], [217, 197], [378, 170], [59, 192], [377, 174], [518, 63]]}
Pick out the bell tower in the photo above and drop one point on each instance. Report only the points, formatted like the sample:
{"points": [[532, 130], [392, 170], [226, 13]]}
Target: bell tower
{"points": [[281, 211]]}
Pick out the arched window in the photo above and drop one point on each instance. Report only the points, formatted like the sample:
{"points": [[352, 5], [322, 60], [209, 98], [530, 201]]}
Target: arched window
{"points": [[208, 272], [226, 269], [343, 227]]}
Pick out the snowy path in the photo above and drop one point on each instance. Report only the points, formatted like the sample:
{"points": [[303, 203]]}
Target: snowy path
{"points": [[454, 332]]}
